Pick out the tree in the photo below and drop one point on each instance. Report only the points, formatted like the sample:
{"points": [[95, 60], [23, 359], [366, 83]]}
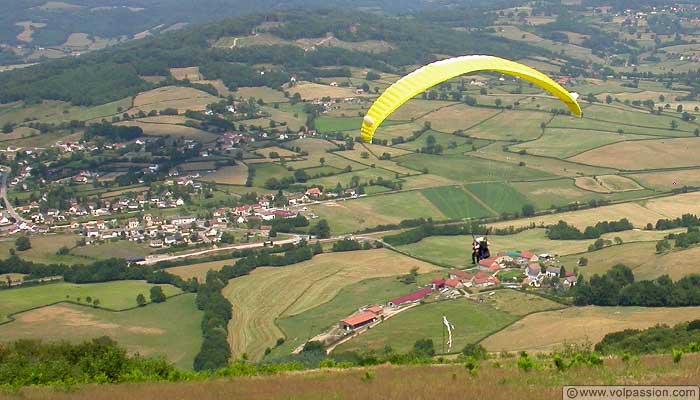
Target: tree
{"points": [[674, 124], [663, 246], [372, 76], [141, 300], [528, 210], [157, 295], [424, 348], [321, 230], [22, 243], [95, 302], [608, 99]]}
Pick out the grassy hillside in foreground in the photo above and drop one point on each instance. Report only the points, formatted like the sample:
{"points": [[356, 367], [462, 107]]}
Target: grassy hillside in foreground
{"points": [[493, 381]]}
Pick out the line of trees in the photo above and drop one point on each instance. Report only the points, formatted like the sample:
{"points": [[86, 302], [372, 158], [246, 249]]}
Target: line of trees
{"points": [[564, 231], [657, 339], [113, 269], [617, 287]]}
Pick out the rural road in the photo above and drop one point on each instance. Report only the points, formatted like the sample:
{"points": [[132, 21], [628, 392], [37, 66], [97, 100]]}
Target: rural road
{"points": [[6, 202], [165, 257]]}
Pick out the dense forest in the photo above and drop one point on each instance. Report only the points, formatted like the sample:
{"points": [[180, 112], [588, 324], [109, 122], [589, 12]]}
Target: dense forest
{"points": [[617, 287], [112, 74]]}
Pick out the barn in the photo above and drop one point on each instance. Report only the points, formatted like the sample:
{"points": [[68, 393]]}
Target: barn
{"points": [[358, 321]]}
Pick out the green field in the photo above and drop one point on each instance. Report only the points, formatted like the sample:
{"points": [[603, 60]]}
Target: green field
{"points": [[338, 124], [472, 322], [171, 329], [115, 295], [500, 197], [564, 143], [560, 192], [265, 171], [352, 215], [469, 169], [455, 203], [301, 327]]}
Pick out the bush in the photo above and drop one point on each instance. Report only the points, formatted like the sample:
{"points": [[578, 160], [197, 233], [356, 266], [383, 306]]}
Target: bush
{"points": [[525, 362], [22, 243], [424, 348], [475, 351]]}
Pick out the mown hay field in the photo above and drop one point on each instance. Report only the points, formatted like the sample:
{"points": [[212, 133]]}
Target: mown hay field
{"points": [[591, 184], [617, 183], [668, 180], [565, 143], [417, 108], [637, 214], [228, 175], [644, 154], [458, 116], [549, 330], [179, 98], [170, 329], [511, 126], [314, 91], [199, 270], [268, 95], [176, 131], [189, 73], [270, 293]]}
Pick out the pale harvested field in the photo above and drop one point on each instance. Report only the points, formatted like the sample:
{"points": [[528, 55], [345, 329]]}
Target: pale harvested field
{"points": [[200, 270], [511, 125], [549, 330], [637, 214], [669, 180], [270, 293], [460, 116], [268, 95], [198, 166], [229, 175], [391, 131], [424, 181], [590, 183], [644, 154], [417, 108], [550, 165], [356, 155], [179, 98], [166, 119], [189, 73], [28, 32], [19, 133], [379, 150], [172, 130], [311, 91], [218, 84], [618, 183], [78, 40], [675, 206], [277, 149]]}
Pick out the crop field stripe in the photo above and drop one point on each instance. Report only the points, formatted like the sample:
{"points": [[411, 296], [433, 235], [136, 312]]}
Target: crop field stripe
{"points": [[478, 200]]}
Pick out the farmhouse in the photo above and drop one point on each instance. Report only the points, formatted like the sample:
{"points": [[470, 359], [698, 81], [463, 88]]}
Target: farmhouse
{"points": [[460, 275], [358, 321], [411, 298]]}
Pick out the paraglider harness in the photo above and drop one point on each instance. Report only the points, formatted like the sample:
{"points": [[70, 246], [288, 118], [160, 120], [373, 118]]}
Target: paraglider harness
{"points": [[480, 248]]}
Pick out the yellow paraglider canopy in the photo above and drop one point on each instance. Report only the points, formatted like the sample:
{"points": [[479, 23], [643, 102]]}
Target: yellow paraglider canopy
{"points": [[430, 75]]}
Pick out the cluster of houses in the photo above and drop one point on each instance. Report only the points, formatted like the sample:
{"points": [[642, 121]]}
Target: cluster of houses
{"points": [[536, 268], [159, 232]]}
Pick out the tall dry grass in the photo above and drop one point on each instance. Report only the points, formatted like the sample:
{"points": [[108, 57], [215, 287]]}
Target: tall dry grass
{"points": [[505, 382]]}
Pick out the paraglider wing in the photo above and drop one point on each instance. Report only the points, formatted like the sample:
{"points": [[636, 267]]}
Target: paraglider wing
{"points": [[430, 75]]}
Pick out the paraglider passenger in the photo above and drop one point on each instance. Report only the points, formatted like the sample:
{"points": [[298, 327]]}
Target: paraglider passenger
{"points": [[475, 252]]}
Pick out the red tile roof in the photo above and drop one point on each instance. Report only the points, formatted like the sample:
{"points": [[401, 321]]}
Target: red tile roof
{"points": [[486, 262], [419, 295], [376, 309], [453, 283], [461, 274], [359, 319], [438, 282]]}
